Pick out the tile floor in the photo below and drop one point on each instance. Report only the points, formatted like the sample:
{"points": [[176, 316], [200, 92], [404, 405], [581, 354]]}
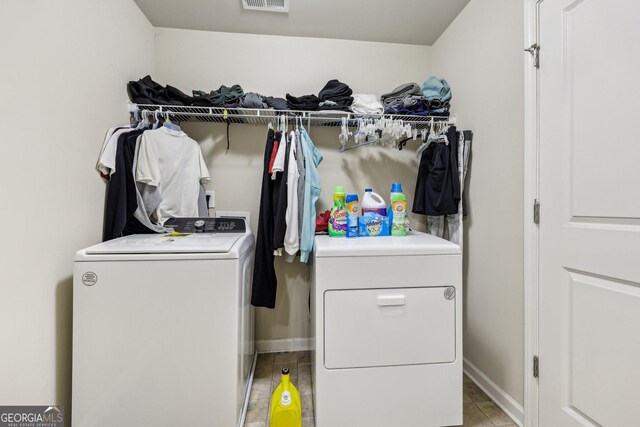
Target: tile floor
{"points": [[479, 410], [266, 378]]}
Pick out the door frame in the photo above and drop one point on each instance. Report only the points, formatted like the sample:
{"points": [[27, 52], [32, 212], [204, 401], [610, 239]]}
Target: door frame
{"points": [[531, 230]]}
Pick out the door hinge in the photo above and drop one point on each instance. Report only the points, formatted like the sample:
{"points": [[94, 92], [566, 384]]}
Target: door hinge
{"points": [[534, 50], [536, 367], [536, 211]]}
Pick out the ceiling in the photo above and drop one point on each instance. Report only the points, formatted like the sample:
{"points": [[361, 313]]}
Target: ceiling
{"points": [[395, 21]]}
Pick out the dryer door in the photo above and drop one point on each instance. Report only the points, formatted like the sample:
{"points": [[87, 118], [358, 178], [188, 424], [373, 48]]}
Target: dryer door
{"points": [[389, 327]]}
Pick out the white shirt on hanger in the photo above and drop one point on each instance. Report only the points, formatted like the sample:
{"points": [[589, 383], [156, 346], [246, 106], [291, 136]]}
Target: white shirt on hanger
{"points": [[172, 162], [291, 236], [107, 160], [278, 162], [145, 196]]}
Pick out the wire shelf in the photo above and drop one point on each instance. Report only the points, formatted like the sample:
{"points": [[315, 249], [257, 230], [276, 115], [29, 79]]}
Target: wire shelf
{"points": [[255, 116]]}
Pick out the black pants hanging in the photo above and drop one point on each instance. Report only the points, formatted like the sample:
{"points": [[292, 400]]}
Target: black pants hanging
{"points": [[438, 184], [264, 274]]}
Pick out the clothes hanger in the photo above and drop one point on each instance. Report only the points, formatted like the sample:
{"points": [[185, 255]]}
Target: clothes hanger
{"points": [[145, 120], [423, 147], [431, 136], [400, 144], [344, 148], [344, 134], [136, 118], [170, 125], [156, 124], [361, 137]]}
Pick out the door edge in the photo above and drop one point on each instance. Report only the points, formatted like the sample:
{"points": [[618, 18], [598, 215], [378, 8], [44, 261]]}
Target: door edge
{"points": [[531, 229]]}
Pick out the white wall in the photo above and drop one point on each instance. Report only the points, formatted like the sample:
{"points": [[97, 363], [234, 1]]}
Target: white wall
{"points": [[275, 65], [481, 56], [63, 78]]}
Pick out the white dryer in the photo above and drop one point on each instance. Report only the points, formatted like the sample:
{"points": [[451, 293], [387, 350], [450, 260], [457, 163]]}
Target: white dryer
{"points": [[163, 329], [386, 317]]}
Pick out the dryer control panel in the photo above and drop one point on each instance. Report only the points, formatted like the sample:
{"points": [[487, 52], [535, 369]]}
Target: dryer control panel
{"points": [[207, 225]]}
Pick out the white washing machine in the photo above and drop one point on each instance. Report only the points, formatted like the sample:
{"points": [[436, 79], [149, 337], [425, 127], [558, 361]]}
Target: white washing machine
{"points": [[387, 324], [163, 329]]}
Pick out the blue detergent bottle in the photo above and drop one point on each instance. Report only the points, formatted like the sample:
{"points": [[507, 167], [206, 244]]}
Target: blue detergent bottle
{"points": [[352, 215]]}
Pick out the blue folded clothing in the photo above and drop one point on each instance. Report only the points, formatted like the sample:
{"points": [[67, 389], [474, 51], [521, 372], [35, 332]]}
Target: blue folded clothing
{"points": [[436, 90]]}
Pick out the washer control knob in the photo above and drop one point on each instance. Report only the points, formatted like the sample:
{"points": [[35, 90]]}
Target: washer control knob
{"points": [[199, 224]]}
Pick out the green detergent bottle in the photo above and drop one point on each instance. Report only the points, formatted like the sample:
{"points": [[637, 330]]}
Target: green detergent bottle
{"points": [[399, 215], [338, 219]]}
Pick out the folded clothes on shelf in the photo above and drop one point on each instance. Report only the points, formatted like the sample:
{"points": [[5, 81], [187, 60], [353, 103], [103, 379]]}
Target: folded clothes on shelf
{"points": [[432, 98], [147, 91], [253, 100], [396, 96], [411, 99], [276, 103], [175, 94], [335, 96], [418, 111], [437, 92], [366, 104], [303, 103], [334, 89], [223, 97]]}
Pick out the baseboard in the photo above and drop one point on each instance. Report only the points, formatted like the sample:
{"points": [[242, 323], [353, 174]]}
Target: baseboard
{"points": [[507, 403], [287, 344]]}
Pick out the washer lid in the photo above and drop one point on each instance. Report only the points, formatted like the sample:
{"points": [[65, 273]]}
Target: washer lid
{"points": [[414, 243], [168, 244]]}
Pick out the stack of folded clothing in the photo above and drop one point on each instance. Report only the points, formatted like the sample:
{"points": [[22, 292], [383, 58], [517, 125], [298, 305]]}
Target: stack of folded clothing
{"points": [[366, 104], [228, 97], [396, 97], [303, 103], [176, 96], [411, 106], [405, 99], [437, 92], [147, 91], [276, 103], [432, 99], [335, 96], [253, 100]]}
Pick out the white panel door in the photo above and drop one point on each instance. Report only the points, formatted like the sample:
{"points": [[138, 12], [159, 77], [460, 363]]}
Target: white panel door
{"points": [[590, 213]]}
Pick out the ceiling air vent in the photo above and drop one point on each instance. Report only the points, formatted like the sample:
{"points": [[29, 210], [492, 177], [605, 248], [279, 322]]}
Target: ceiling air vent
{"points": [[267, 5]]}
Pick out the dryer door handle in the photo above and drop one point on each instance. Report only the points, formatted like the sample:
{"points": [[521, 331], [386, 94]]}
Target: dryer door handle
{"points": [[391, 300]]}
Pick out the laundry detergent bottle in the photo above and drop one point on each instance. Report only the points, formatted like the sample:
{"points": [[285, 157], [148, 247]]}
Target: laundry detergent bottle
{"points": [[285, 408], [373, 202], [338, 218], [352, 215], [396, 188], [399, 215], [394, 220]]}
